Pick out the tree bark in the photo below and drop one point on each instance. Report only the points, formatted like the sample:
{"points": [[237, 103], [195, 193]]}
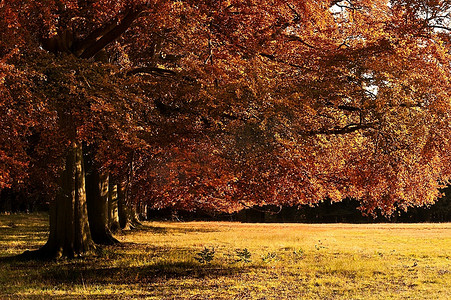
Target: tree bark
{"points": [[128, 217], [69, 228], [141, 211], [97, 199], [113, 216], [123, 211], [128, 214]]}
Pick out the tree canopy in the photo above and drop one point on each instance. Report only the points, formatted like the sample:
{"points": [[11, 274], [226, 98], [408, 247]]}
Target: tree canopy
{"points": [[225, 104]]}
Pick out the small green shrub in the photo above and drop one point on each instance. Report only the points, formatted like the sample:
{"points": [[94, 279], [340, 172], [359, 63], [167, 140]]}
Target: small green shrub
{"points": [[205, 256], [299, 253], [270, 256], [320, 246], [243, 255]]}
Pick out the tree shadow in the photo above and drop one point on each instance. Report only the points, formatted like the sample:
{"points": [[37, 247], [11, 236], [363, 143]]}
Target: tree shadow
{"points": [[28, 239], [124, 263], [156, 272], [114, 265]]}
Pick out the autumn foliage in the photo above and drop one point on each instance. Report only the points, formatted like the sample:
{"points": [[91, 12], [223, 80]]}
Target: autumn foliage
{"points": [[225, 104]]}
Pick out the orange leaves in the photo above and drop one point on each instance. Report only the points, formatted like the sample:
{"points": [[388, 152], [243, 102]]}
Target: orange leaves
{"points": [[229, 102]]}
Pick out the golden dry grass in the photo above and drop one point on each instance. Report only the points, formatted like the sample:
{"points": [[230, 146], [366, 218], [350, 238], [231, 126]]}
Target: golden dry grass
{"points": [[288, 261]]}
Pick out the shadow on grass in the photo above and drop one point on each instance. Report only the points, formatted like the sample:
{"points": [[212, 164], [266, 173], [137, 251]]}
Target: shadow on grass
{"points": [[125, 263], [156, 272], [112, 269], [116, 267], [21, 232]]}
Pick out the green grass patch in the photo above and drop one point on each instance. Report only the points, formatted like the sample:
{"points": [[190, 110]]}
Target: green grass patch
{"points": [[221, 260]]}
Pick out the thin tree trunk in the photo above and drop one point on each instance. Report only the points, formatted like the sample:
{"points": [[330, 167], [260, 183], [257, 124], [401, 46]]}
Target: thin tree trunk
{"points": [[134, 216], [142, 212], [127, 211], [113, 217], [132, 207], [69, 228], [97, 193], [123, 210], [128, 217]]}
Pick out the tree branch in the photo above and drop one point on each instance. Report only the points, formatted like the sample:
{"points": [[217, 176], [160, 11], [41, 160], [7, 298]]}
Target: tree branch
{"points": [[341, 130], [79, 46], [112, 35], [275, 59], [295, 38], [152, 71], [349, 108], [439, 27], [163, 73]]}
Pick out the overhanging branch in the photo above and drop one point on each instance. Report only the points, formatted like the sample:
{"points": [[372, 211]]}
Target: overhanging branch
{"points": [[296, 38], [341, 130], [80, 46], [275, 59], [112, 35], [163, 73], [152, 71]]}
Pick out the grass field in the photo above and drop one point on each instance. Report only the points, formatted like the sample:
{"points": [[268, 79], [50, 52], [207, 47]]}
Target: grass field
{"points": [[250, 261]]}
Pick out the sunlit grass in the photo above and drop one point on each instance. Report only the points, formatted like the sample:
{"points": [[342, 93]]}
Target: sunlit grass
{"points": [[288, 261]]}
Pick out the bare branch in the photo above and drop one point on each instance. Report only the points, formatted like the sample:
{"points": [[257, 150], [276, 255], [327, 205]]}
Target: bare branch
{"points": [[440, 27]]}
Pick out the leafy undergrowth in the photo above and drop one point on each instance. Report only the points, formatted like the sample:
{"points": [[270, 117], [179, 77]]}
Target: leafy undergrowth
{"points": [[220, 260]]}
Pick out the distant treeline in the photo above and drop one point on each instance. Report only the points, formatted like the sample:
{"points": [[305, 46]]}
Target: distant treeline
{"points": [[325, 212]]}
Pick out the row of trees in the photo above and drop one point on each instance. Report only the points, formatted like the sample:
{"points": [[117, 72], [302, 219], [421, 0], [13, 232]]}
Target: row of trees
{"points": [[220, 105]]}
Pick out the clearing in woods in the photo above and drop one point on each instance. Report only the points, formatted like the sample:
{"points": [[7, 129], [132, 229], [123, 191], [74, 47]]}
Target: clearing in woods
{"points": [[224, 260]]}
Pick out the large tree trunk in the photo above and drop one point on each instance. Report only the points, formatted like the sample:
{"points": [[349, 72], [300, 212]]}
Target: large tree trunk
{"points": [[97, 196], [69, 228]]}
